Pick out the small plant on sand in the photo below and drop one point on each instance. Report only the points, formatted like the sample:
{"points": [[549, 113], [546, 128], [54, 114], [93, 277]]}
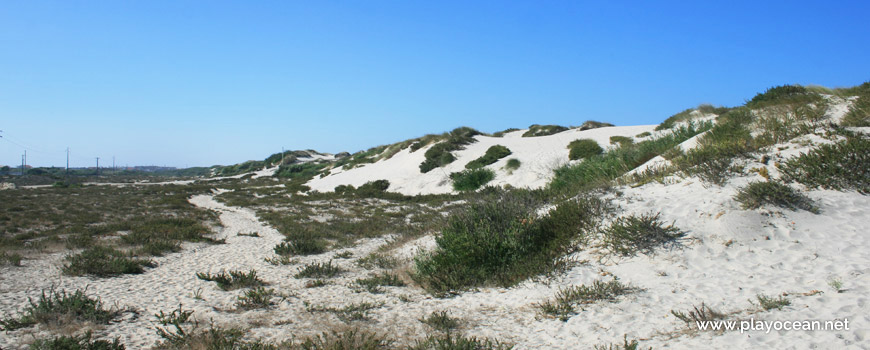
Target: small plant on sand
{"points": [[350, 312], [768, 303], [621, 140], [643, 134], [59, 307], [630, 235], [301, 243], [471, 179], [441, 321], [319, 270], [177, 318], [583, 148], [380, 260], [563, 306], [232, 279], [249, 234], [13, 259], [351, 339], [344, 255], [756, 194], [626, 345], [512, 164], [316, 283], [451, 341], [837, 284], [257, 298], [543, 130], [698, 315], [103, 262], [71, 342], [374, 283]]}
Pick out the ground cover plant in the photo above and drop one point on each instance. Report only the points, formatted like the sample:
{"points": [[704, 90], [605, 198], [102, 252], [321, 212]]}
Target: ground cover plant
{"points": [[583, 148], [512, 164], [500, 240], [156, 217], [440, 154], [441, 321], [374, 283], [103, 261], [58, 307], [841, 166], [492, 155], [567, 300], [543, 130], [471, 179], [71, 342], [756, 194], [319, 270], [234, 279], [630, 235]]}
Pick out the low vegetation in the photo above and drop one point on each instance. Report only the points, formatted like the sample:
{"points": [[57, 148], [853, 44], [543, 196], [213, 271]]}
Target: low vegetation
{"points": [[543, 130], [56, 308], [493, 154], [769, 303], [450, 342], [630, 235], [318, 270], [441, 321], [583, 149], [257, 298], [859, 114], [229, 280], [374, 283], [440, 154], [759, 193], [841, 166], [566, 301], [512, 164], [592, 124], [621, 140], [71, 342], [471, 179], [103, 261], [499, 240], [698, 315]]}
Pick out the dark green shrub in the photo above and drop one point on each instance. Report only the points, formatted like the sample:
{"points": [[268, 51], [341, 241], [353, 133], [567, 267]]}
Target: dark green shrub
{"points": [[543, 130], [300, 170], [103, 262], [592, 124], [349, 340], [780, 95], [512, 164], [500, 241], [493, 154], [439, 155], [686, 115], [505, 131], [232, 279], [372, 188], [301, 242], [257, 298], [643, 134], [756, 194], [374, 282], [621, 140], [83, 342], [629, 235], [441, 321], [471, 179], [59, 307], [841, 166], [859, 113], [729, 138], [457, 342], [583, 148]]}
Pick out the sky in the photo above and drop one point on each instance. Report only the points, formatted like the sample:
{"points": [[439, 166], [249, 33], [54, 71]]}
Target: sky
{"points": [[199, 83]]}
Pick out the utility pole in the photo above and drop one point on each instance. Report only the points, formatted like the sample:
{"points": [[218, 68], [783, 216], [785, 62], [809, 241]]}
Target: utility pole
{"points": [[113, 165], [282, 156], [24, 168], [98, 166], [22, 165], [67, 162]]}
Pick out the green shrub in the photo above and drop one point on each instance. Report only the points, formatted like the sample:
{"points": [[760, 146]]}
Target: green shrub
{"points": [[103, 262], [756, 194], [319, 270], [301, 242], [12, 259], [565, 304], [457, 342], [543, 130], [626, 345], [728, 139], [257, 298], [232, 279], [505, 131], [493, 154], [374, 282], [373, 188], [439, 155], [629, 235], [354, 339], [643, 134], [500, 241], [841, 166], [305, 170], [621, 140], [512, 164], [686, 115], [781, 94], [60, 307], [698, 315], [592, 124], [471, 179], [600, 170], [583, 148], [859, 113], [83, 342], [441, 321]]}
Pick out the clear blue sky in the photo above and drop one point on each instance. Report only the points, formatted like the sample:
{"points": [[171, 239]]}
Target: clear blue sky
{"points": [[191, 83]]}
